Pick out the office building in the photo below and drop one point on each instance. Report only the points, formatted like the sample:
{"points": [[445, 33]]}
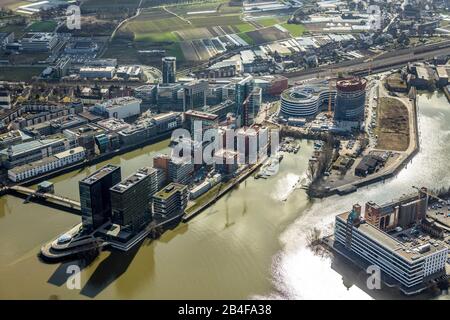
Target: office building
{"points": [[169, 70], [170, 97], [39, 41], [180, 171], [350, 99], [119, 108], [195, 93], [5, 99], [95, 196], [170, 201], [97, 72], [147, 93], [197, 119], [409, 265], [131, 199], [305, 101]]}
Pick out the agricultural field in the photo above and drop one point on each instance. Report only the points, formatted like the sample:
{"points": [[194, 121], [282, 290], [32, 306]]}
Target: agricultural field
{"points": [[109, 5], [42, 26], [19, 73], [296, 30], [267, 35]]}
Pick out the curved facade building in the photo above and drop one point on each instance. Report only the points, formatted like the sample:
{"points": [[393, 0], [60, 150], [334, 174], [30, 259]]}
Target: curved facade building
{"points": [[306, 100], [350, 99]]}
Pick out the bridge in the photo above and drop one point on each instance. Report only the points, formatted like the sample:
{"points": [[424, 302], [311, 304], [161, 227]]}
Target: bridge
{"points": [[44, 198]]}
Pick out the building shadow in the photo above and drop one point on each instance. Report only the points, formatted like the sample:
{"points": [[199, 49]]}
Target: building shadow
{"points": [[111, 268], [352, 275], [61, 274]]}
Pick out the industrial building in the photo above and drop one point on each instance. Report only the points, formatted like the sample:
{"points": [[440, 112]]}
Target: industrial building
{"points": [[95, 196], [23, 153], [407, 264], [305, 101], [170, 201], [350, 99], [169, 70]]}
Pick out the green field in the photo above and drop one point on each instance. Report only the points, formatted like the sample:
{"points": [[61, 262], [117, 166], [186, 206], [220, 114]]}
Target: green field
{"points": [[42, 26], [296, 30], [19, 73], [268, 22]]}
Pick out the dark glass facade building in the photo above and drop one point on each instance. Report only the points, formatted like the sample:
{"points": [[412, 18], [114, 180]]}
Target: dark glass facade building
{"points": [[350, 99], [131, 199], [95, 197], [169, 69]]}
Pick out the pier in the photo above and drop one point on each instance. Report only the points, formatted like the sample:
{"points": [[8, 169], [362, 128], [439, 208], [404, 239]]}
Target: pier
{"points": [[47, 199]]}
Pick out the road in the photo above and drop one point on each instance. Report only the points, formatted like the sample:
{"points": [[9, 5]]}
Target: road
{"points": [[138, 12]]}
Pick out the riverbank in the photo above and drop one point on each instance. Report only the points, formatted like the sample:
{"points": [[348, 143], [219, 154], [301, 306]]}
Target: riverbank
{"points": [[353, 183]]}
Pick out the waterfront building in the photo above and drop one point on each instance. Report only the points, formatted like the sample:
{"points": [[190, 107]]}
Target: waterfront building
{"points": [[119, 108], [350, 99], [195, 94], [47, 164], [170, 201], [13, 137], [166, 122], [226, 161], [403, 213], [408, 265], [305, 101], [39, 41], [137, 133], [16, 155], [180, 171], [95, 196], [161, 162], [131, 199], [253, 106], [169, 70], [194, 118]]}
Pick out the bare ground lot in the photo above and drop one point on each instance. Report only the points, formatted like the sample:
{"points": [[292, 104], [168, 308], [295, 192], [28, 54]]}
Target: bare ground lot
{"points": [[393, 125]]}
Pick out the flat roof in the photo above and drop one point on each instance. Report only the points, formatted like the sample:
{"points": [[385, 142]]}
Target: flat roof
{"points": [[100, 173], [409, 251], [132, 180], [169, 190]]}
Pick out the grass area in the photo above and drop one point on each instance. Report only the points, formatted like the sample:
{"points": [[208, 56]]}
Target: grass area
{"points": [[109, 4], [18, 29], [296, 30], [246, 38], [19, 73], [244, 27], [156, 37], [42, 26], [268, 22], [393, 125]]}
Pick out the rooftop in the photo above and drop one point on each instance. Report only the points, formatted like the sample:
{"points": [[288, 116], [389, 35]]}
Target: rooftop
{"points": [[97, 175], [406, 243], [168, 191], [132, 180]]}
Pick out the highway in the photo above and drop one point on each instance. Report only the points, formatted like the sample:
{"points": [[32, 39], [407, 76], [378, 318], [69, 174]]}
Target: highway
{"points": [[382, 62]]}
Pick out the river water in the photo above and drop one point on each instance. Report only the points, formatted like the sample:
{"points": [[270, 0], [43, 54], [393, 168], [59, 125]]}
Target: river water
{"points": [[250, 244]]}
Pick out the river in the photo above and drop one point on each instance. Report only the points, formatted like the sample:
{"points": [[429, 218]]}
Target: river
{"points": [[250, 244]]}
